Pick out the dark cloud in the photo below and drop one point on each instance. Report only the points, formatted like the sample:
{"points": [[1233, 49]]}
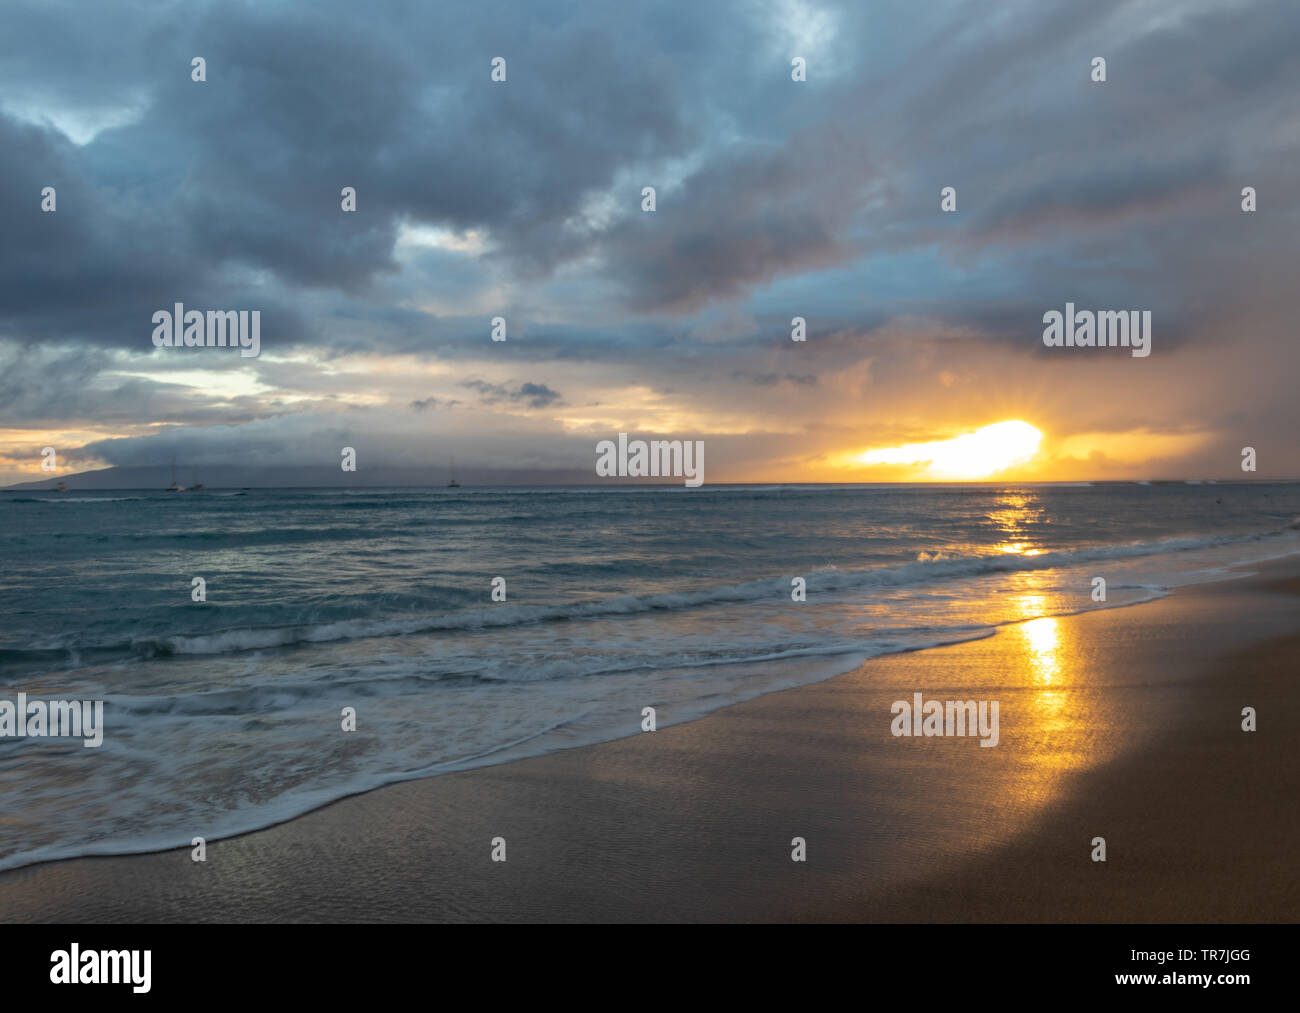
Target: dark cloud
{"points": [[535, 395], [226, 193], [429, 403], [522, 199], [241, 174]]}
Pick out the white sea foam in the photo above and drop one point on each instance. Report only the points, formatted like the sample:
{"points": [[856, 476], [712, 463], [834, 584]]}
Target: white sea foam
{"points": [[227, 730]]}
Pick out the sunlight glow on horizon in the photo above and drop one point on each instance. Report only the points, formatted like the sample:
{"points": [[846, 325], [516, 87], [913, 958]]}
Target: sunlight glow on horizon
{"points": [[981, 454]]}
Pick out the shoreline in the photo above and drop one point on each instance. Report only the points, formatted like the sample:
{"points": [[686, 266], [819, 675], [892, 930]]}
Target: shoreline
{"points": [[694, 822], [315, 806]]}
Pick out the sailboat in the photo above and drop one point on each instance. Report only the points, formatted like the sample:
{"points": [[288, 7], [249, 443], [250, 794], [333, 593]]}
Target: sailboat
{"points": [[196, 485], [174, 487], [453, 484]]}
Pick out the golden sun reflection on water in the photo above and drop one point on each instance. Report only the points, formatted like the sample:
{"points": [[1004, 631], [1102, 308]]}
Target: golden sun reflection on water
{"points": [[1055, 741], [1018, 548], [1013, 516], [1053, 719]]}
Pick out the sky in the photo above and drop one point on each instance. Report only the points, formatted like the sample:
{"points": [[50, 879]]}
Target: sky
{"points": [[774, 199]]}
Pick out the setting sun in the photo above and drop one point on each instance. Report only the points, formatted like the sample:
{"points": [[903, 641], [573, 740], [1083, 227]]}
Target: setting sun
{"points": [[981, 454]]}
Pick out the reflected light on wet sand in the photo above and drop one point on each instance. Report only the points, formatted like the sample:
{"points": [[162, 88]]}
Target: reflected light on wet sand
{"points": [[1042, 642], [1056, 737]]}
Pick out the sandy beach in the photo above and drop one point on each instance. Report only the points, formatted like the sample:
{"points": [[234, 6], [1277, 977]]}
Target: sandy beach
{"points": [[1120, 723]]}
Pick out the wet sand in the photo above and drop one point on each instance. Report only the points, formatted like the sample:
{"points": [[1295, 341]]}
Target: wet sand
{"points": [[1118, 723]]}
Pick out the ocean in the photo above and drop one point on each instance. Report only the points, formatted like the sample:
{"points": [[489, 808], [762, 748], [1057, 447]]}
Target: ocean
{"points": [[225, 716]]}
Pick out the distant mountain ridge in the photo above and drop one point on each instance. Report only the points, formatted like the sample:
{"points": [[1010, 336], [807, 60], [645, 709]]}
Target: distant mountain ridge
{"points": [[218, 477]]}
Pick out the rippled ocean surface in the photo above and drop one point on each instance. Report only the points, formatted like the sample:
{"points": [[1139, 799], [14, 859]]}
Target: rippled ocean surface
{"points": [[224, 716]]}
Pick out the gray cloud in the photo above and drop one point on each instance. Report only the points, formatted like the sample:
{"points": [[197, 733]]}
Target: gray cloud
{"points": [[775, 199], [535, 395]]}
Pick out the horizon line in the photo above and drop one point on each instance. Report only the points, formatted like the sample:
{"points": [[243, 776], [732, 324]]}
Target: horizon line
{"points": [[670, 484]]}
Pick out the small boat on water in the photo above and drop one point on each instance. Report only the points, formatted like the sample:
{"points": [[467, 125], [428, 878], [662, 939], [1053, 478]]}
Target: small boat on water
{"points": [[196, 485], [453, 484], [174, 487], [62, 487]]}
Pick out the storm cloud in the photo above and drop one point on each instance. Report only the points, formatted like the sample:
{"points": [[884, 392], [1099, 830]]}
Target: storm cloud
{"points": [[522, 200]]}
